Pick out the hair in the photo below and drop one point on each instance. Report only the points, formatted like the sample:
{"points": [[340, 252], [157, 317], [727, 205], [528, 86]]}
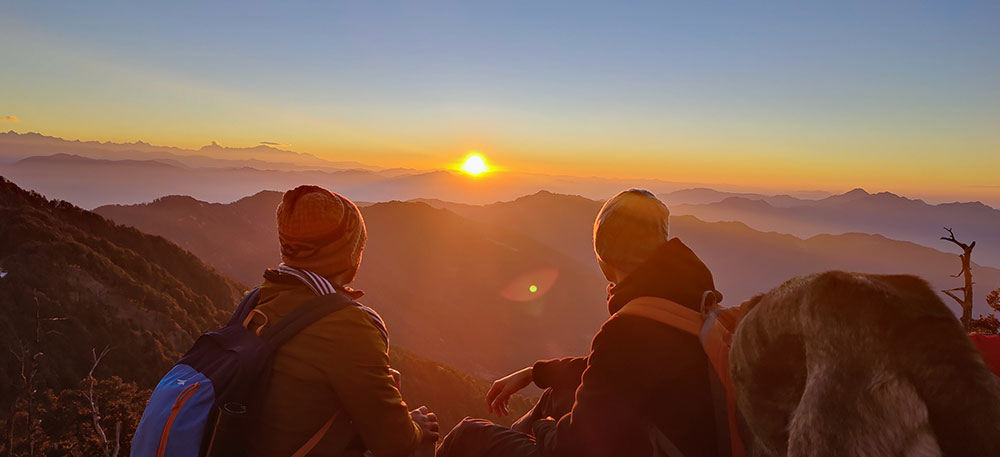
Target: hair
{"points": [[630, 226]]}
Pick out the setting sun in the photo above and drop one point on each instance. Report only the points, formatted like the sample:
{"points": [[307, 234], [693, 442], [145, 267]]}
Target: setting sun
{"points": [[474, 165]]}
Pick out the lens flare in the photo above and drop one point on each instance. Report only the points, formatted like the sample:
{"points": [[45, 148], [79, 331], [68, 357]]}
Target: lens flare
{"points": [[531, 286]]}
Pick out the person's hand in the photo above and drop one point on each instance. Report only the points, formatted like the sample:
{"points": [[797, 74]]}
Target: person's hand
{"points": [[503, 388], [428, 423]]}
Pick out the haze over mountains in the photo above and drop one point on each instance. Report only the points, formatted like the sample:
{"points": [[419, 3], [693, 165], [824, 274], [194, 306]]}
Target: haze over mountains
{"points": [[90, 174], [444, 267], [745, 261], [447, 274], [856, 211], [440, 280]]}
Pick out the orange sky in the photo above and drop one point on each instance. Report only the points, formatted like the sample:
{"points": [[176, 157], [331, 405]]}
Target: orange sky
{"points": [[782, 99]]}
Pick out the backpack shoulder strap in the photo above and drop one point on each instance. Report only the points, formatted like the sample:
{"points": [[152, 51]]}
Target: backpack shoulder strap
{"points": [[247, 304], [315, 439], [296, 321], [304, 316], [667, 312], [713, 326]]}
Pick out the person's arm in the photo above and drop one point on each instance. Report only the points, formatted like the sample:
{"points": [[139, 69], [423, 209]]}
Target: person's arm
{"points": [[622, 375], [564, 373], [358, 370], [558, 373]]}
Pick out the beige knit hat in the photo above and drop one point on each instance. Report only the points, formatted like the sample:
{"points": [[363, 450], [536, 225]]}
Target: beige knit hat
{"points": [[321, 231], [630, 226]]}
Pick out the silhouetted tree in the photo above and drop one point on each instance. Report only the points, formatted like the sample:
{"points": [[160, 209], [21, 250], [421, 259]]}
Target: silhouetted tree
{"points": [[989, 325], [986, 325], [966, 300]]}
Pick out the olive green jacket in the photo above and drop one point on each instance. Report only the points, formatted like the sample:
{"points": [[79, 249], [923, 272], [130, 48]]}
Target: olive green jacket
{"points": [[339, 365]]}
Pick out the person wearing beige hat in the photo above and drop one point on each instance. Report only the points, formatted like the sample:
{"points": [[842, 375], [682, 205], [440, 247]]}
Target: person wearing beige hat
{"points": [[644, 389], [331, 384]]}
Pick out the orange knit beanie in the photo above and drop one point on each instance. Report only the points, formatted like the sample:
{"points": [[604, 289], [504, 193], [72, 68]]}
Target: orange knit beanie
{"points": [[321, 231]]}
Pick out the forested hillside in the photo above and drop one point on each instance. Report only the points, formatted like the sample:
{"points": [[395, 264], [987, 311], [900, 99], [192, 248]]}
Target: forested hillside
{"points": [[72, 281], [114, 285]]}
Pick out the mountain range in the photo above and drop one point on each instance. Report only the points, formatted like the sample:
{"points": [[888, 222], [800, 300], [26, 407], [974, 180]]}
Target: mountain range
{"points": [[439, 272], [438, 279], [883, 213], [745, 261], [71, 280], [16, 146], [91, 174]]}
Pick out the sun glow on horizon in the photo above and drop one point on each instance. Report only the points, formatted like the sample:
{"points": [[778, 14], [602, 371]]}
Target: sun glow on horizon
{"points": [[475, 165]]}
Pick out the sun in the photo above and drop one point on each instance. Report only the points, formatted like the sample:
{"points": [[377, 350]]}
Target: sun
{"points": [[474, 165]]}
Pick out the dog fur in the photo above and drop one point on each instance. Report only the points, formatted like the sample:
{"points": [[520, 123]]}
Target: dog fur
{"points": [[858, 365]]}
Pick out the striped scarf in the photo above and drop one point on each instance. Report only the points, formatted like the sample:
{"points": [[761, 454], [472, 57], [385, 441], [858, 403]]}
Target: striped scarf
{"points": [[321, 286]]}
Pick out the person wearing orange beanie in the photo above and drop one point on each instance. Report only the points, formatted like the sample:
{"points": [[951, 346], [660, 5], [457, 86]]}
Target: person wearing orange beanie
{"points": [[339, 366], [322, 232]]}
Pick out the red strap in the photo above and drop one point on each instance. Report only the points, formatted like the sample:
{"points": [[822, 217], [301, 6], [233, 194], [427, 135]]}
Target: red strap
{"points": [[315, 438]]}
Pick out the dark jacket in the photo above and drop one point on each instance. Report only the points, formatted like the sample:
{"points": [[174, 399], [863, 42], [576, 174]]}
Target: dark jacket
{"points": [[639, 373]]}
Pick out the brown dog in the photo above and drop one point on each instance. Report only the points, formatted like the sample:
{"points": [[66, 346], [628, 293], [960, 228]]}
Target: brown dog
{"points": [[845, 364]]}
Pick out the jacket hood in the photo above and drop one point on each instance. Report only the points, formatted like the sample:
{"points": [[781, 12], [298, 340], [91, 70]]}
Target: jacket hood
{"points": [[672, 272]]}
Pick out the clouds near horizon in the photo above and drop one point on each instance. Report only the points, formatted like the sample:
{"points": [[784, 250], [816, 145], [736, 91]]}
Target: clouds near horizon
{"points": [[12, 119]]}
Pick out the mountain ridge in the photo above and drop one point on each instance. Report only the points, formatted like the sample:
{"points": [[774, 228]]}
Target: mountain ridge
{"points": [[446, 257], [885, 213], [142, 147]]}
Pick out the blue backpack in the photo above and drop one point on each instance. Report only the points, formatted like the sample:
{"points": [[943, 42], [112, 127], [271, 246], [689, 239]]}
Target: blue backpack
{"points": [[204, 404]]}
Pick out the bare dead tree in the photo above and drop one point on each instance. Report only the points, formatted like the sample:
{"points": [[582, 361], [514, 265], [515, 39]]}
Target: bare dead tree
{"points": [[29, 358], [966, 300], [109, 450]]}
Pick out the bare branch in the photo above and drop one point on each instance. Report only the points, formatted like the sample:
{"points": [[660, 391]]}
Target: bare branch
{"points": [[97, 359], [118, 439], [951, 237], [953, 296], [95, 411]]}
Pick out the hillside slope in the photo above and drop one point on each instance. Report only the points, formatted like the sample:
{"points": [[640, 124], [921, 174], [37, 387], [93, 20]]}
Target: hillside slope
{"points": [[441, 281], [117, 286], [147, 299]]}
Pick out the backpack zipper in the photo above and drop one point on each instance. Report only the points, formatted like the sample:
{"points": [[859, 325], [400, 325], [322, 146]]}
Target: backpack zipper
{"points": [[182, 398]]}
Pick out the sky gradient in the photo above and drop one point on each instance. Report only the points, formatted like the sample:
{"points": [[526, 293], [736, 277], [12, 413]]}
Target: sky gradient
{"points": [[900, 96]]}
